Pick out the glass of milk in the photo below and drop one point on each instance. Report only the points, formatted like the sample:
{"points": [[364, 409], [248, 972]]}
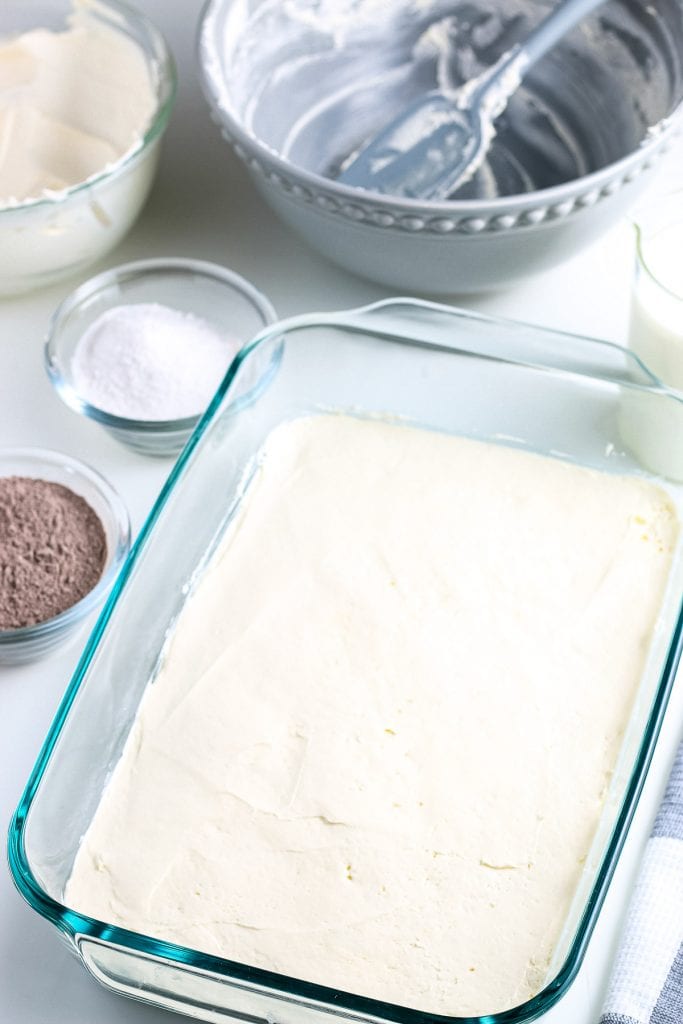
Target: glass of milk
{"points": [[656, 331], [656, 325]]}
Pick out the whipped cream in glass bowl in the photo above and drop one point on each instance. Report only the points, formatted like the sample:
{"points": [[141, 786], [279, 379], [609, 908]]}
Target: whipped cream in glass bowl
{"points": [[86, 89]]}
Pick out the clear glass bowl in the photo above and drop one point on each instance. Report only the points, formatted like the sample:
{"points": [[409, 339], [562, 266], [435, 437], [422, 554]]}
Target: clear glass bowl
{"points": [[503, 382], [32, 642], [226, 300], [45, 240]]}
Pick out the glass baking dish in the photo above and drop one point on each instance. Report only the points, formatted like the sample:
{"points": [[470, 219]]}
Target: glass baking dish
{"points": [[572, 398]]}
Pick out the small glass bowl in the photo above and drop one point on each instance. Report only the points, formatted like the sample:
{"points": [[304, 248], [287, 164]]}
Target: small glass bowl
{"points": [[43, 240], [32, 642], [227, 301]]}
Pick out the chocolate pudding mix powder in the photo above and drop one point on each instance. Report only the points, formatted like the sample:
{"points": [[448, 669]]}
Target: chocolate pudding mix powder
{"points": [[52, 550]]}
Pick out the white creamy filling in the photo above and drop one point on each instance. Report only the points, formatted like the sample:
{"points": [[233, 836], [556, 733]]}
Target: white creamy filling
{"points": [[378, 748], [72, 103]]}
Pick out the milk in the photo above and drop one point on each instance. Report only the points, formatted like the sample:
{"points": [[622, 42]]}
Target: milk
{"points": [[652, 425], [656, 327]]}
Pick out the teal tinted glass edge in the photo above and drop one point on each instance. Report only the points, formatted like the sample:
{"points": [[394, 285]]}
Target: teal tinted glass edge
{"points": [[277, 985]]}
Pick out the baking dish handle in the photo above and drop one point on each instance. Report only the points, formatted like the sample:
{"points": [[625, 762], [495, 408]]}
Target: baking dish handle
{"points": [[450, 328]]}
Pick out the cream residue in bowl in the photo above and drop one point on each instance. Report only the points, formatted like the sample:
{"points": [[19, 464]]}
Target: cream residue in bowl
{"points": [[314, 81], [73, 103]]}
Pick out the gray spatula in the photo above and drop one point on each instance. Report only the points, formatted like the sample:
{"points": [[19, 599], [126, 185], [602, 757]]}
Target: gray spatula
{"points": [[440, 141]]}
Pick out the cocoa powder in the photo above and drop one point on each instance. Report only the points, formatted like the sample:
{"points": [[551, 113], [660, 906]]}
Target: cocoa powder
{"points": [[52, 550]]}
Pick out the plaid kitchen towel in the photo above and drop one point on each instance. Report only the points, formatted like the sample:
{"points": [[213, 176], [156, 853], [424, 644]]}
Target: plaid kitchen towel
{"points": [[647, 982]]}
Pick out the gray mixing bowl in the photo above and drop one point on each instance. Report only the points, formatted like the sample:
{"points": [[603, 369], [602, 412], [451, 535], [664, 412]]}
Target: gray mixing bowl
{"points": [[297, 85]]}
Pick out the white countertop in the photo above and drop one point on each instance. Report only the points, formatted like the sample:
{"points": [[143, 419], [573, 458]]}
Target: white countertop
{"points": [[203, 206]]}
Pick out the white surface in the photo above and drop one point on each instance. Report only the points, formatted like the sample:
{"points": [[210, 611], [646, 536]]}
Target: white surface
{"points": [[203, 206]]}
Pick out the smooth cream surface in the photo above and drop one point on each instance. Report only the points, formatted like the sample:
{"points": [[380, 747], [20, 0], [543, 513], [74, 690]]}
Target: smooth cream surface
{"points": [[379, 744], [72, 103]]}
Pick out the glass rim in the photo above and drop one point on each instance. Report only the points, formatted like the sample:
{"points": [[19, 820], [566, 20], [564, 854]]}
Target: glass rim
{"points": [[641, 245]]}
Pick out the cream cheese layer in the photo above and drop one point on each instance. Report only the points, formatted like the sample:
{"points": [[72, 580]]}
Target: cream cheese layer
{"points": [[377, 750], [72, 104]]}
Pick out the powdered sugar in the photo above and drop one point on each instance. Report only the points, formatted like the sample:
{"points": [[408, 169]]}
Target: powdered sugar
{"points": [[150, 362]]}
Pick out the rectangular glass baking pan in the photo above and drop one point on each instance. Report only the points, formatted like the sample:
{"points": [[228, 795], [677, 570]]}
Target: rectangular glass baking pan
{"points": [[576, 399]]}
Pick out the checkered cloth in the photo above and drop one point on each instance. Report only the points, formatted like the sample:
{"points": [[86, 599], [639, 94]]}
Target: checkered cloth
{"points": [[647, 982]]}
